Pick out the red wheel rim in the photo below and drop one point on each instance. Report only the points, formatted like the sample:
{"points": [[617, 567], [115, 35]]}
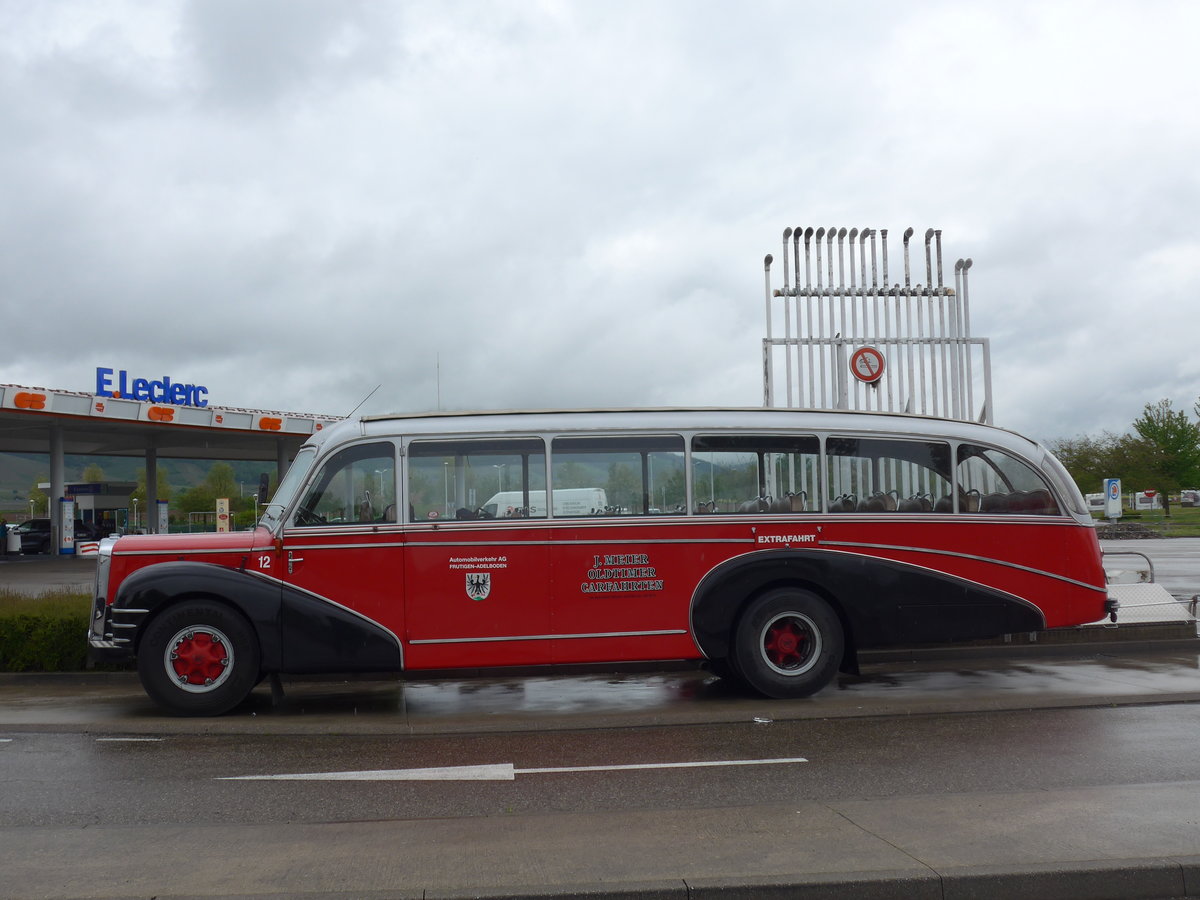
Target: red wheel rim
{"points": [[198, 659], [791, 643]]}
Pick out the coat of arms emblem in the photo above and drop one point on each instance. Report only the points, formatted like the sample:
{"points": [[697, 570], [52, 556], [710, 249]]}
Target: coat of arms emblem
{"points": [[479, 585]]}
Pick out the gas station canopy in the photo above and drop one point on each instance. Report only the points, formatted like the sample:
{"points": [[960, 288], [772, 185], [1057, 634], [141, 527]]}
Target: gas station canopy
{"points": [[42, 420], [92, 424]]}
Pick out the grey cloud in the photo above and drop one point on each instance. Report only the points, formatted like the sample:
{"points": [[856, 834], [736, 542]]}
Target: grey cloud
{"points": [[569, 204]]}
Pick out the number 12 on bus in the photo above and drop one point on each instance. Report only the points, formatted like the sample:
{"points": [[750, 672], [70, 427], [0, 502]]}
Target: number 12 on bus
{"points": [[774, 544]]}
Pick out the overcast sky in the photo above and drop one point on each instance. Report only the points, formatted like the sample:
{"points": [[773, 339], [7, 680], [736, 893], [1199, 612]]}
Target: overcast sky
{"points": [[568, 203]]}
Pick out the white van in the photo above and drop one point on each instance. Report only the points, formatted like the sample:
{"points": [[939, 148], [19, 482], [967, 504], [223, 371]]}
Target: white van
{"points": [[567, 502]]}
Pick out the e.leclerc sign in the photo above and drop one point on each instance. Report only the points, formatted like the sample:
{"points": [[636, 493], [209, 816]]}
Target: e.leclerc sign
{"points": [[158, 391]]}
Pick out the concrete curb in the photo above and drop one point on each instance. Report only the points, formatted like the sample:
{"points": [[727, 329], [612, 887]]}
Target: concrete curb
{"points": [[1110, 879], [1118, 879]]}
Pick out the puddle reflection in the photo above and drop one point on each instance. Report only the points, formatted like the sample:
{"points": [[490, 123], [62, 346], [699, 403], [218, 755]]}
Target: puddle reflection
{"points": [[881, 686]]}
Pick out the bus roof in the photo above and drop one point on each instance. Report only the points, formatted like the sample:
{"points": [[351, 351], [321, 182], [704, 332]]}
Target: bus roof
{"points": [[678, 419]]}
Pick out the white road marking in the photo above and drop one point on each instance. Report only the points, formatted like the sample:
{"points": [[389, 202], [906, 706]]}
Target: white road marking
{"points": [[5, 740], [131, 740], [677, 765], [501, 772], [496, 772]]}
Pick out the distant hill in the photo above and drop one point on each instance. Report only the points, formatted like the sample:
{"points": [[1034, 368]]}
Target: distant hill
{"points": [[20, 471]]}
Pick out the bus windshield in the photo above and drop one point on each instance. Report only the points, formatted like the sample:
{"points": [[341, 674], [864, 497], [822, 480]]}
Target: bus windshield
{"points": [[296, 473]]}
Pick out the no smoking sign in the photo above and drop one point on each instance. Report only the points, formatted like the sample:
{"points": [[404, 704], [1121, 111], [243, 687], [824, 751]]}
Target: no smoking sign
{"points": [[867, 364]]}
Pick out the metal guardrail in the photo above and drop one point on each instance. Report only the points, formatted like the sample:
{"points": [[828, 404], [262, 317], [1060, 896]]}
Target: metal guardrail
{"points": [[1149, 563]]}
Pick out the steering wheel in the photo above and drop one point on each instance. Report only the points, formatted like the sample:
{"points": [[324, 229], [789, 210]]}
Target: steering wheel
{"points": [[309, 517]]}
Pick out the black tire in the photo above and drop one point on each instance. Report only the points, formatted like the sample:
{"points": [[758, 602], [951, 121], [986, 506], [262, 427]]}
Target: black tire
{"points": [[788, 643], [198, 658]]}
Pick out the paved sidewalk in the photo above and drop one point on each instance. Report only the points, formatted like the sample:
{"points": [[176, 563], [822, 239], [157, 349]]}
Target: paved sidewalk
{"points": [[1055, 845]]}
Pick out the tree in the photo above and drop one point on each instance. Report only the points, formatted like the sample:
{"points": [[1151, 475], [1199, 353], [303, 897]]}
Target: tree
{"points": [[93, 474], [222, 480], [1171, 448], [164, 488], [571, 474], [624, 487], [41, 502], [1090, 460]]}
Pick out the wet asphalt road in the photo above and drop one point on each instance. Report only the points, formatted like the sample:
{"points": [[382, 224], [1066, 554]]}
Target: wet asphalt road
{"points": [[88, 780], [970, 793]]}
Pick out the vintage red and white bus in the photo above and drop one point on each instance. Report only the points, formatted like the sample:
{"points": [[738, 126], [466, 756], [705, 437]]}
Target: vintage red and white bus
{"points": [[775, 544]]}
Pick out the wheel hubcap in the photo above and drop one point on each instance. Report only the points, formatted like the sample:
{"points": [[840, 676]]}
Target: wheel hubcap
{"points": [[199, 658], [791, 643]]}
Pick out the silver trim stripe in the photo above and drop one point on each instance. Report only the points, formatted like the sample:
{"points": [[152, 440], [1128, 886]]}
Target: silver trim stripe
{"points": [[972, 556], [625, 543], [399, 545], [177, 552], [549, 637], [552, 543]]}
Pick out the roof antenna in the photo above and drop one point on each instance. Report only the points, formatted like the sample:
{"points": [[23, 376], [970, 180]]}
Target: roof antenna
{"points": [[363, 400]]}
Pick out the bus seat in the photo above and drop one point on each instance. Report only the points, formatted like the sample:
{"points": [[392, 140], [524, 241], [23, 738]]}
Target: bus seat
{"points": [[873, 504], [1042, 504], [944, 504], [844, 503], [1018, 502], [994, 503], [916, 503]]}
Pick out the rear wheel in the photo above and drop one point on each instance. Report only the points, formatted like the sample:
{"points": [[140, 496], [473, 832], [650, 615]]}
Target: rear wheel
{"points": [[198, 659], [788, 643]]}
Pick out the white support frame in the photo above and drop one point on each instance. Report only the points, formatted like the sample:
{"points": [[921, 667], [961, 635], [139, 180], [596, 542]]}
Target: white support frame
{"points": [[933, 366]]}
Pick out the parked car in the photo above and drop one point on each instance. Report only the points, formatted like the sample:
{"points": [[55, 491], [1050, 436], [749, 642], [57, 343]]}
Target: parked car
{"points": [[35, 534]]}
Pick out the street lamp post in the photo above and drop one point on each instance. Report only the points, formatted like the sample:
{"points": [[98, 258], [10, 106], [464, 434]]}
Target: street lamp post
{"points": [[445, 488], [499, 477], [135, 516]]}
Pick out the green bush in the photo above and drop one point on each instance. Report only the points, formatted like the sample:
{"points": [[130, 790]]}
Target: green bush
{"points": [[47, 633]]}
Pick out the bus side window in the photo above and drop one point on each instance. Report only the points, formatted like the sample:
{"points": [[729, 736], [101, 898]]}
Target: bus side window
{"points": [[471, 479], [356, 486], [634, 475], [884, 475], [993, 483], [756, 474]]}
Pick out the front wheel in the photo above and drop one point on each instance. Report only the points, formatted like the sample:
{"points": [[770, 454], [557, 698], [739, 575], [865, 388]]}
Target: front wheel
{"points": [[198, 659], [788, 643]]}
